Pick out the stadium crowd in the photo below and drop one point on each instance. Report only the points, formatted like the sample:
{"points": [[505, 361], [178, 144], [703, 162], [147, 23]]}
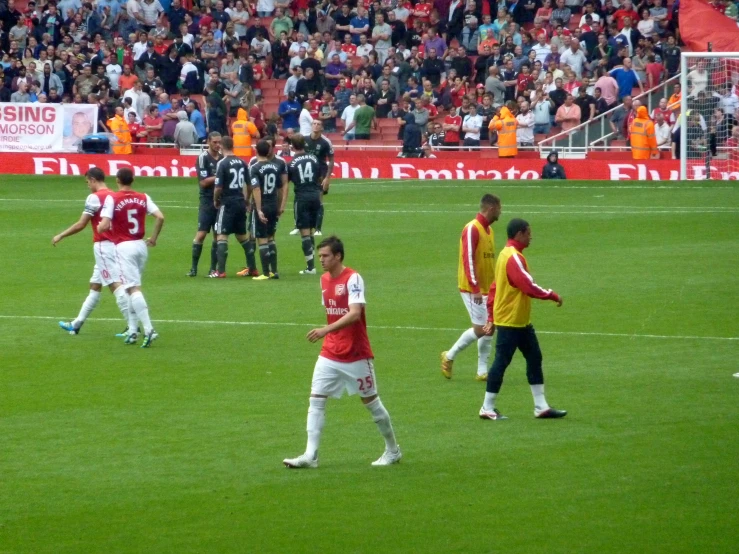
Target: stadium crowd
{"points": [[449, 72]]}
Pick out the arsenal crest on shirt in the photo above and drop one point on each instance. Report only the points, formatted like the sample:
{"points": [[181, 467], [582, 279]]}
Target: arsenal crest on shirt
{"points": [[340, 289]]}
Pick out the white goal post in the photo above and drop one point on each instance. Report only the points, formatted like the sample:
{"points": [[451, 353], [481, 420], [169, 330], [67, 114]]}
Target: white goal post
{"points": [[709, 82]]}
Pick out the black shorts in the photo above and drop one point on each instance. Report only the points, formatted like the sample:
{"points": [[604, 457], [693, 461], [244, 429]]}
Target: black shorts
{"points": [[264, 230], [306, 213], [231, 219], [207, 215]]}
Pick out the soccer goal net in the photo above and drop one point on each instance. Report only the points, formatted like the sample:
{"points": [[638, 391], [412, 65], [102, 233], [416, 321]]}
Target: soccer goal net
{"points": [[706, 132]]}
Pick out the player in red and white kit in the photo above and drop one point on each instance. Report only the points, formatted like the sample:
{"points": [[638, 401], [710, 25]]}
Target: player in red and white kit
{"points": [[124, 215], [345, 363], [105, 272]]}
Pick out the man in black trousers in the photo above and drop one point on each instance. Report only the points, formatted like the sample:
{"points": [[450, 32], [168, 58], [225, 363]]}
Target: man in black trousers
{"points": [[509, 310]]}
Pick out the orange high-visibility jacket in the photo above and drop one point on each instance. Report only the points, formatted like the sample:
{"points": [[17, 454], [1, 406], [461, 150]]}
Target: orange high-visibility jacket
{"points": [[506, 126], [643, 139]]}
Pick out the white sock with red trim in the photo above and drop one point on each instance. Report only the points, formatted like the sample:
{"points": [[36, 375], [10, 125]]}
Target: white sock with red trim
{"points": [[88, 305], [484, 347], [316, 419], [467, 338]]}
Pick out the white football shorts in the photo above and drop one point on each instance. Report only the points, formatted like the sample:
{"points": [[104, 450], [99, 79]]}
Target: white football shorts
{"points": [[131, 256], [106, 269], [478, 312], [332, 378]]}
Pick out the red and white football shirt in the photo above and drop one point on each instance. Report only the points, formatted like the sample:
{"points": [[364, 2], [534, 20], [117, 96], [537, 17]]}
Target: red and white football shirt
{"points": [[351, 343], [127, 210], [94, 208]]}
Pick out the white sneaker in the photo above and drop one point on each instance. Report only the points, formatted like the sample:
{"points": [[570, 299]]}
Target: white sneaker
{"points": [[308, 271], [317, 233], [388, 458], [295, 231], [736, 375], [301, 461]]}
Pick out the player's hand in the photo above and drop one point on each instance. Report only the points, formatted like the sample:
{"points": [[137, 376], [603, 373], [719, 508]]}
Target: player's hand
{"points": [[325, 185], [280, 211], [315, 335], [477, 298], [560, 301], [56, 239], [151, 241], [489, 328], [261, 216], [249, 208]]}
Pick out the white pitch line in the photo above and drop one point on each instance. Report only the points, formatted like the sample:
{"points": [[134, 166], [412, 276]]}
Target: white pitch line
{"points": [[645, 211], [488, 184], [390, 327]]}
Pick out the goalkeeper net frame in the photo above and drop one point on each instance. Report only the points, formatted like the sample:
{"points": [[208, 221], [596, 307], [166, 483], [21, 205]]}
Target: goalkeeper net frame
{"points": [[708, 81]]}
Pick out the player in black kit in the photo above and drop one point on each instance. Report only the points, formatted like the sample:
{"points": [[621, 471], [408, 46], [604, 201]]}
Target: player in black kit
{"points": [[206, 170], [304, 173], [269, 191], [229, 198], [321, 148]]}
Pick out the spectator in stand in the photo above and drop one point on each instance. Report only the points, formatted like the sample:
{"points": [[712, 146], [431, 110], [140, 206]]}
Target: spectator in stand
{"points": [[574, 57], [626, 78], [671, 57], [385, 99], [542, 106], [655, 72], [495, 86], [433, 68], [697, 80], [185, 134], [561, 13], [471, 125], [327, 112], [662, 131], [525, 126], [196, 117], [586, 103], [625, 11], [568, 115], [364, 119], [359, 25], [347, 116], [620, 117], [452, 126], [288, 110]]}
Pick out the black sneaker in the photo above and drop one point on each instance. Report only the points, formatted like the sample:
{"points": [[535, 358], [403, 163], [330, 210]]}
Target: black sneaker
{"points": [[550, 413], [192, 273]]}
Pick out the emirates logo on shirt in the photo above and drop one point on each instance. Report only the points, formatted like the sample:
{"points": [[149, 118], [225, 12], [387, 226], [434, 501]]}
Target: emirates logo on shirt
{"points": [[340, 290]]}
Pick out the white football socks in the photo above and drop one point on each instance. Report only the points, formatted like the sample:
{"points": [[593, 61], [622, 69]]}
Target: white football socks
{"points": [[382, 418], [88, 305], [138, 303], [484, 347], [540, 402], [121, 298], [316, 419], [489, 404], [467, 338]]}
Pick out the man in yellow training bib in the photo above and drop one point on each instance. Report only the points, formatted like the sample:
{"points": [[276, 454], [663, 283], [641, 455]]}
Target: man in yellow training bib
{"points": [[509, 308], [476, 274]]}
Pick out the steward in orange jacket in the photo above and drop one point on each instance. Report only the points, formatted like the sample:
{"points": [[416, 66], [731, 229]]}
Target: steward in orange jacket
{"points": [[643, 139], [119, 128], [242, 131], [505, 125]]}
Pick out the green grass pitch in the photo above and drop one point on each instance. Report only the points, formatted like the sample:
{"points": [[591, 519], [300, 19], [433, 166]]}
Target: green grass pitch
{"points": [[106, 448]]}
